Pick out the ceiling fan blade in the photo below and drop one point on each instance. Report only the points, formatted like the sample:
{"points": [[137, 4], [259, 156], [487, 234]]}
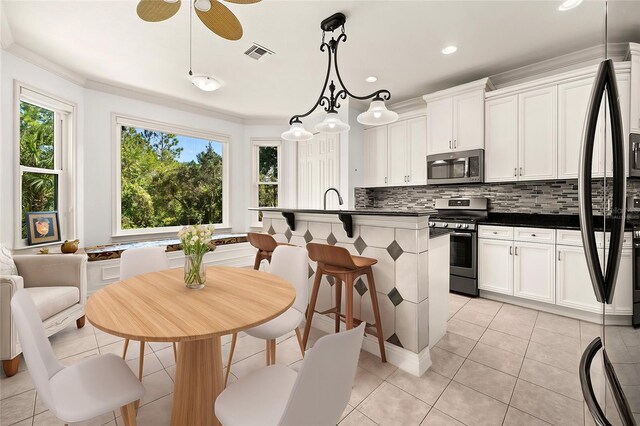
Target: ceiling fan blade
{"points": [[221, 21], [156, 10], [243, 1]]}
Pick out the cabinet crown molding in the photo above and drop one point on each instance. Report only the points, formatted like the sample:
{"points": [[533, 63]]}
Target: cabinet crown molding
{"points": [[483, 83]]}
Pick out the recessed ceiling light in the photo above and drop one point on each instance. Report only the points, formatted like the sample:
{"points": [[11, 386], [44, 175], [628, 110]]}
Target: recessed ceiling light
{"points": [[206, 83], [450, 49], [371, 79], [569, 4]]}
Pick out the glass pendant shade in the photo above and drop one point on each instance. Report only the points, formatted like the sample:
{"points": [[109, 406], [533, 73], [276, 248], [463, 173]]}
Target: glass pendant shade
{"points": [[297, 132], [377, 114], [206, 83], [332, 124]]}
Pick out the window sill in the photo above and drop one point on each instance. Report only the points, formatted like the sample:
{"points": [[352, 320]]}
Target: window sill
{"points": [[161, 233], [20, 246]]}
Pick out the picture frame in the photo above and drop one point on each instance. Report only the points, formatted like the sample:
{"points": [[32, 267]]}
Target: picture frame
{"points": [[42, 227]]}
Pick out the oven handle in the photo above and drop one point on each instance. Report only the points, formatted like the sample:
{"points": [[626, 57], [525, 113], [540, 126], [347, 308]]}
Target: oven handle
{"points": [[461, 234]]}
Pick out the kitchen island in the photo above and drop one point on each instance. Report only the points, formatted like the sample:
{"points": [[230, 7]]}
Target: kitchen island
{"points": [[412, 273]]}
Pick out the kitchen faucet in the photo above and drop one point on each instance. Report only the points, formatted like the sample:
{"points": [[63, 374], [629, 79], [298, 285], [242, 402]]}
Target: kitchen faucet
{"points": [[337, 192]]}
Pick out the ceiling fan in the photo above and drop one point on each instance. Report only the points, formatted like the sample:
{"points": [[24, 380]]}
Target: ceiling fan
{"points": [[213, 14]]}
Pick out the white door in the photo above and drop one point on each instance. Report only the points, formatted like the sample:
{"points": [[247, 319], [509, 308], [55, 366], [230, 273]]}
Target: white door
{"points": [[624, 87], [534, 271], [375, 155], [501, 139], [623, 294], [573, 100], [398, 153], [495, 266], [573, 282], [417, 140], [439, 126], [468, 121], [537, 134]]}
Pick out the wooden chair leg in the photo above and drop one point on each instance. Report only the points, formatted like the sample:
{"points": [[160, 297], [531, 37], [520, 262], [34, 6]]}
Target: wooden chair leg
{"points": [[272, 348], [312, 305], [234, 339], [256, 262], [376, 313], [348, 290], [267, 351], [129, 414], [80, 321], [299, 337], [141, 366], [10, 366], [126, 346], [175, 352], [338, 287]]}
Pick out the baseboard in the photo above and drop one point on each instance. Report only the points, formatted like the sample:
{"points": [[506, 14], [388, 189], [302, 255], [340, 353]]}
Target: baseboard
{"points": [[411, 362]]}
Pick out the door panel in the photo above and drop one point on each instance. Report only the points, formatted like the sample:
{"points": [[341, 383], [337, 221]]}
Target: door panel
{"points": [[398, 153], [501, 139], [417, 140], [573, 282], [468, 121], [534, 271], [537, 134], [439, 126], [495, 266], [375, 154]]}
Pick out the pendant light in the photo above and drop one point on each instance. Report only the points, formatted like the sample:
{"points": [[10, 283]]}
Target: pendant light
{"points": [[202, 82], [377, 114]]}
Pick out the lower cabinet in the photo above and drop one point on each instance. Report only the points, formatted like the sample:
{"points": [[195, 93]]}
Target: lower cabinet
{"points": [[534, 271], [623, 296], [495, 265], [574, 288]]}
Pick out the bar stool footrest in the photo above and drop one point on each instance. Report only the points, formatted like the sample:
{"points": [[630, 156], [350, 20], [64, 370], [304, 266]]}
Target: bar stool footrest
{"points": [[370, 328]]}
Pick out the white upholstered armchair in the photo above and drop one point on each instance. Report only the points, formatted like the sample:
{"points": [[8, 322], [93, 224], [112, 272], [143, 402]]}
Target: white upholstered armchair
{"points": [[57, 285]]}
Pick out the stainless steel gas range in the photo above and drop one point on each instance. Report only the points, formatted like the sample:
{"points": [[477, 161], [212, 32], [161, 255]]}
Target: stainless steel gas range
{"points": [[461, 216]]}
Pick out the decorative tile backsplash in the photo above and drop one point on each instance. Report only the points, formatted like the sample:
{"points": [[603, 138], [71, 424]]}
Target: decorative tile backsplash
{"points": [[559, 196]]}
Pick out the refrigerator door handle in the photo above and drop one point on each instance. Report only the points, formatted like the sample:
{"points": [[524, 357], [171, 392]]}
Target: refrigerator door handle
{"points": [[587, 387], [624, 409]]}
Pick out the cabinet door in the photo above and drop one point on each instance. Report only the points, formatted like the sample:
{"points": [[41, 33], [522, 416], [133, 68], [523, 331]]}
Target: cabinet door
{"points": [[439, 126], [501, 141], [573, 100], [624, 88], [623, 295], [537, 134], [375, 154], [417, 140], [534, 271], [573, 282], [468, 121], [398, 153], [495, 266]]}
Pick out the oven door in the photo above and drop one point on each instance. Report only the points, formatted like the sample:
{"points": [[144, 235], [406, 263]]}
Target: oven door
{"points": [[463, 254]]}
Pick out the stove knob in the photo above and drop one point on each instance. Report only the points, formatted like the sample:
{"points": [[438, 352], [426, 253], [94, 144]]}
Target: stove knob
{"points": [[459, 225], [466, 226], [446, 225]]}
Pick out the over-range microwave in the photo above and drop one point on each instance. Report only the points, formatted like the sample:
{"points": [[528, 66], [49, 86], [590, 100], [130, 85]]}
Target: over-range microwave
{"points": [[456, 167], [634, 154]]}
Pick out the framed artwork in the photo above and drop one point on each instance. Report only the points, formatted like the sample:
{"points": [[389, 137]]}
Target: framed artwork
{"points": [[42, 227]]}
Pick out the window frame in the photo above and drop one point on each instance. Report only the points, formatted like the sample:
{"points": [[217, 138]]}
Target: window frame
{"points": [[256, 144], [65, 161], [117, 121]]}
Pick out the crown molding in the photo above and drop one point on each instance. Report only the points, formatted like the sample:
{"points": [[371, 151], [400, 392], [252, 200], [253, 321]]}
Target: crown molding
{"points": [[409, 105], [483, 83], [559, 64], [37, 60], [6, 37]]}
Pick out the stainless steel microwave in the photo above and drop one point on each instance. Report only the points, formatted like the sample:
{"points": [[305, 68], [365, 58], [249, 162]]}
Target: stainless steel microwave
{"points": [[634, 154], [456, 167]]}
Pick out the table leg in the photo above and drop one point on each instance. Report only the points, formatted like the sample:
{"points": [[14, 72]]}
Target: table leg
{"points": [[198, 382]]}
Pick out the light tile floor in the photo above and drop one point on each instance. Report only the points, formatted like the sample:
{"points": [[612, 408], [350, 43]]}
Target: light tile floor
{"points": [[498, 364]]}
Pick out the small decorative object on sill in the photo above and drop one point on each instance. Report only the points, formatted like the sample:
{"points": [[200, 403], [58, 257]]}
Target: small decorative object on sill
{"points": [[43, 251], [195, 244], [69, 246]]}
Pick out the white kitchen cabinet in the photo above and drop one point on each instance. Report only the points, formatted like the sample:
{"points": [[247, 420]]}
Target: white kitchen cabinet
{"points": [[374, 147], [537, 134], [318, 169], [495, 265], [468, 121], [623, 294], [398, 153], [417, 141], [573, 282], [534, 271], [634, 107], [624, 88], [501, 139], [440, 126]]}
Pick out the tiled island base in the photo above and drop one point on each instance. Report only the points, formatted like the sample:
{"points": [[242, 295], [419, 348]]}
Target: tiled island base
{"points": [[412, 278]]}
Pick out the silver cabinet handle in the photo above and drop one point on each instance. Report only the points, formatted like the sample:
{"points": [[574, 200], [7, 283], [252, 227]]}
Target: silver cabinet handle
{"points": [[495, 232], [449, 144], [559, 252], [516, 250], [455, 143], [408, 178], [515, 171], [533, 235], [520, 171], [385, 179], [510, 250]]}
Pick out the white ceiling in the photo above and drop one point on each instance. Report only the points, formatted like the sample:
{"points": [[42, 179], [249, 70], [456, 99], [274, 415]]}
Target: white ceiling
{"points": [[397, 41]]}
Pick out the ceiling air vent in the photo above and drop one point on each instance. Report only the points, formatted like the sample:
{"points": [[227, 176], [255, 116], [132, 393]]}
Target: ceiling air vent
{"points": [[258, 52]]}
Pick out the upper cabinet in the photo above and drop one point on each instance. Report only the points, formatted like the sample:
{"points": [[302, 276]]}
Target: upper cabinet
{"points": [[501, 140], [395, 154], [455, 118], [537, 132]]}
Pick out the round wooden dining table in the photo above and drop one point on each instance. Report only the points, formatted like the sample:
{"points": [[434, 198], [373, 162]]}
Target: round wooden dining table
{"points": [[157, 307]]}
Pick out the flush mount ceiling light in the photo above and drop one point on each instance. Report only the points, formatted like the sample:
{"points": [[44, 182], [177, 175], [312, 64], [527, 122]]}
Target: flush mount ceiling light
{"points": [[451, 49], [330, 103], [213, 14], [371, 79], [206, 83], [569, 4]]}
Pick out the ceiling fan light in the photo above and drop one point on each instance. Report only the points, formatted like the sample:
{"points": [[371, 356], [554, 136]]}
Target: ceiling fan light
{"points": [[206, 83], [377, 114], [297, 132], [203, 5], [332, 124]]}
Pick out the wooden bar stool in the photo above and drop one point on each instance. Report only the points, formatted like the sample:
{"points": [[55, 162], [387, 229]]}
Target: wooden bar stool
{"points": [[338, 263], [265, 244]]}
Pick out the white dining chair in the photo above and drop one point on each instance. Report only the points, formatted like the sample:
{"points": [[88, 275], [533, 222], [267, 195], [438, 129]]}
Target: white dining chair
{"points": [[290, 263], [138, 261], [277, 395], [94, 386]]}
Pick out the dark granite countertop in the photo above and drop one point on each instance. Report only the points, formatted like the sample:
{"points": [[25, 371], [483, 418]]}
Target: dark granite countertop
{"points": [[536, 220], [368, 212]]}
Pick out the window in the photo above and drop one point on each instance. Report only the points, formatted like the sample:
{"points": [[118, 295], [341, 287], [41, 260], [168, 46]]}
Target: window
{"points": [[168, 177], [45, 181], [266, 187]]}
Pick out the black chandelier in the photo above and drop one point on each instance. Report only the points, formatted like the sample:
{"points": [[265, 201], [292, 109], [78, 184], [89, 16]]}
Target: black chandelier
{"points": [[377, 114]]}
